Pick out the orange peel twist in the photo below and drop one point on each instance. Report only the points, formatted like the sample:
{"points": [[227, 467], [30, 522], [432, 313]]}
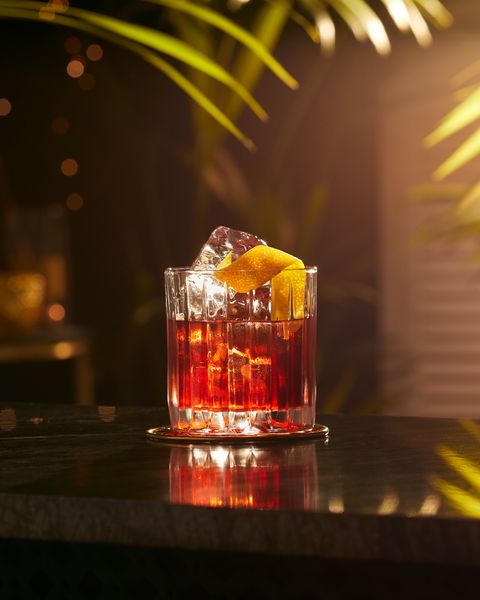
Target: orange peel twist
{"points": [[262, 264]]}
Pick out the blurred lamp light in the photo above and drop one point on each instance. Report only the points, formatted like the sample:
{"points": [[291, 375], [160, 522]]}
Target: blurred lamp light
{"points": [[60, 125], [94, 52], [56, 312], [5, 107], [69, 167], [75, 68], [63, 350], [74, 202], [73, 45]]}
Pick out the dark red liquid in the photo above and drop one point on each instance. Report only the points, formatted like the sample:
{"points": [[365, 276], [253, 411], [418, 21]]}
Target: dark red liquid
{"points": [[241, 366]]}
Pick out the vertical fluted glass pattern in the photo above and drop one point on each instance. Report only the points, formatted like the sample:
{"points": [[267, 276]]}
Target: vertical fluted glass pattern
{"points": [[231, 368]]}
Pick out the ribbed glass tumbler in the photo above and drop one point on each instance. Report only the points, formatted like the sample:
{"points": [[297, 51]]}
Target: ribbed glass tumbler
{"points": [[232, 368]]}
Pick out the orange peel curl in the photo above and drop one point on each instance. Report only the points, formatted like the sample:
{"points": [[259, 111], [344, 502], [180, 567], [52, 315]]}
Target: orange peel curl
{"points": [[262, 264]]}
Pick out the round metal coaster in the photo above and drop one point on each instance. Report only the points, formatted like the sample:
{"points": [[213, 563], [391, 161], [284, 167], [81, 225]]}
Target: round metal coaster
{"points": [[166, 435]]}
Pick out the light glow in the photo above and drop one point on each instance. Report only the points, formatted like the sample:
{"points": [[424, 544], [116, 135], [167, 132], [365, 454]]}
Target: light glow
{"points": [[94, 52], [69, 167], [74, 202], [430, 505], [219, 456], [56, 312], [75, 68], [63, 350], [5, 107], [389, 504], [335, 504]]}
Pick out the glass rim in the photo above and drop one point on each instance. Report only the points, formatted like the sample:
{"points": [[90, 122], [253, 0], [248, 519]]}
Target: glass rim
{"points": [[189, 270]]}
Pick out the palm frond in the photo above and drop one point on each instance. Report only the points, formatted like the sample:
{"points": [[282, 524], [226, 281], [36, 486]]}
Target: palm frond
{"points": [[233, 30], [469, 150], [436, 11], [363, 20], [462, 115]]}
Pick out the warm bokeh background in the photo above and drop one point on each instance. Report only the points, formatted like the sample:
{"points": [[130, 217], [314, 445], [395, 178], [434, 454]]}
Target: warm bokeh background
{"points": [[332, 181]]}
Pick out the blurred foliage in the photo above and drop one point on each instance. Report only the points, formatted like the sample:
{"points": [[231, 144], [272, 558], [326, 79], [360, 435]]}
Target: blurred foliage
{"points": [[214, 56], [466, 498], [461, 220], [221, 50]]}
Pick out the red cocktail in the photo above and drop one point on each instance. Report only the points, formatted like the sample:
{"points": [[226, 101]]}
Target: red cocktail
{"points": [[238, 373]]}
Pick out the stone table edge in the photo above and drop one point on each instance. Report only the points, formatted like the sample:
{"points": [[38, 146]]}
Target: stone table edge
{"points": [[146, 523]]}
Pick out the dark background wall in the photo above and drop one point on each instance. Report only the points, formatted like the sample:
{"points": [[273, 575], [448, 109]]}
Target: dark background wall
{"points": [[132, 137]]}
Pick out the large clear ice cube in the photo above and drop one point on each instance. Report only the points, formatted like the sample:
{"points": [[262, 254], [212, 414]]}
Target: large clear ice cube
{"points": [[210, 299], [222, 241]]}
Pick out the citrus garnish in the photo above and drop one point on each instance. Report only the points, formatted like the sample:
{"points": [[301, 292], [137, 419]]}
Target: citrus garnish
{"points": [[261, 264]]}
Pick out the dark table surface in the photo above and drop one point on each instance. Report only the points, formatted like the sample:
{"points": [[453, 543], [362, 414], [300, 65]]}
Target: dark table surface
{"points": [[380, 488]]}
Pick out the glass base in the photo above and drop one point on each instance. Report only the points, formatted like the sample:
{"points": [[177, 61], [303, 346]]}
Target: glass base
{"points": [[237, 422], [167, 435]]}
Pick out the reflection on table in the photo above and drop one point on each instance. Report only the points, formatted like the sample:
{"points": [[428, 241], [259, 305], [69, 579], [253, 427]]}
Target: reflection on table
{"points": [[245, 477]]}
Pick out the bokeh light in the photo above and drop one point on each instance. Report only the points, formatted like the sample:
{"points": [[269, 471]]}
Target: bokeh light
{"points": [[56, 312], [60, 125], [72, 45], [5, 107], [94, 52], [69, 167], [63, 350], [87, 82], [74, 202], [75, 68]]}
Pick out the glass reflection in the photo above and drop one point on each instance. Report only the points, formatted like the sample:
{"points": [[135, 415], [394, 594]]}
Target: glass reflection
{"points": [[269, 478]]}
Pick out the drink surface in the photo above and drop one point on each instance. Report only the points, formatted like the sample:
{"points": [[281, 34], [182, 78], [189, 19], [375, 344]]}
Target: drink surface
{"points": [[239, 376]]}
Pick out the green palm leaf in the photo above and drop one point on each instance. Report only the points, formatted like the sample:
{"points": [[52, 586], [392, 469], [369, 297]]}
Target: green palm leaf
{"points": [[160, 42], [363, 21], [440, 15], [469, 150], [233, 30], [464, 114]]}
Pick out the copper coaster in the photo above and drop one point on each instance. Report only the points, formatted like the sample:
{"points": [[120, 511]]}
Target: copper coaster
{"points": [[165, 435]]}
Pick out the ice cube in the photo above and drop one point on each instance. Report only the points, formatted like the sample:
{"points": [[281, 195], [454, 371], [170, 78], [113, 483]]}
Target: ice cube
{"points": [[210, 299], [222, 241], [206, 297]]}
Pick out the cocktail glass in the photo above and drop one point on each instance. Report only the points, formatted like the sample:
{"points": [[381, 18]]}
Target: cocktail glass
{"points": [[231, 368]]}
